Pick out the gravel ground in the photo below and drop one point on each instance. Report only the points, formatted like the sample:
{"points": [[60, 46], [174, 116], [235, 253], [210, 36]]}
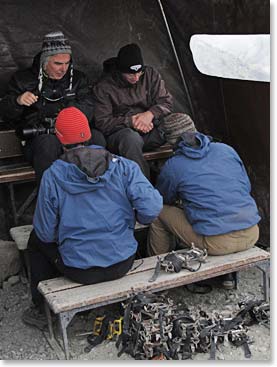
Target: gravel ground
{"points": [[21, 342]]}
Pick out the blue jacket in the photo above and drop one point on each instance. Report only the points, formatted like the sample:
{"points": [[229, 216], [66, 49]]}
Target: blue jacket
{"points": [[213, 185], [92, 218]]}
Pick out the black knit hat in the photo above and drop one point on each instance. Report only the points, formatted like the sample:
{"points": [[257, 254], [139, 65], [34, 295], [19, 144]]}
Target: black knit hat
{"points": [[54, 43], [129, 59]]}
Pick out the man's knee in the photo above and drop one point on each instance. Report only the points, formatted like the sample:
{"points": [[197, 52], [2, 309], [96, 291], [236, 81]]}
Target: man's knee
{"points": [[45, 142], [159, 240], [127, 141], [98, 138], [45, 150], [169, 213], [131, 137]]}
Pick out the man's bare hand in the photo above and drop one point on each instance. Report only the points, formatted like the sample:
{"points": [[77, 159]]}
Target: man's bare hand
{"points": [[26, 99], [143, 121]]}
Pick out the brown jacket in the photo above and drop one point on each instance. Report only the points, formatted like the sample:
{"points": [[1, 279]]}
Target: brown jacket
{"points": [[117, 100]]}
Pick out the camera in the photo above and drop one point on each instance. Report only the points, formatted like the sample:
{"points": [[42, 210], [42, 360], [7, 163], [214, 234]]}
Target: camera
{"points": [[49, 128], [28, 133]]}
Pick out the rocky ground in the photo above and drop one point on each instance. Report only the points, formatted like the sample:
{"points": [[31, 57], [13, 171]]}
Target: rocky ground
{"points": [[21, 342]]}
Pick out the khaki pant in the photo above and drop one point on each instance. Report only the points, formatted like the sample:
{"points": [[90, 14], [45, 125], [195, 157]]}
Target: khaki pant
{"points": [[173, 223]]}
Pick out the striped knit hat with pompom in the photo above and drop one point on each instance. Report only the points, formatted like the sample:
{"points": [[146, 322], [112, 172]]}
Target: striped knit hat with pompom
{"points": [[72, 126]]}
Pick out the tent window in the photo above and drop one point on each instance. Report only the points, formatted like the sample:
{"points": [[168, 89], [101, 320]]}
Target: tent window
{"points": [[245, 57]]}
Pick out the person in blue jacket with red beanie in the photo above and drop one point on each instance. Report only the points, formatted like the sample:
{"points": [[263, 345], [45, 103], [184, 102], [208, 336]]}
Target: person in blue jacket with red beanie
{"points": [[87, 207], [215, 208]]}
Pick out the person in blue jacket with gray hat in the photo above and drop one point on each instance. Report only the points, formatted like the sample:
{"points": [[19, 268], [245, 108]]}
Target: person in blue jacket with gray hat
{"points": [[216, 210], [87, 207]]}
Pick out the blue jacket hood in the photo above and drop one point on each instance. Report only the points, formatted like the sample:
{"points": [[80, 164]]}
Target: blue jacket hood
{"points": [[184, 146], [77, 177]]}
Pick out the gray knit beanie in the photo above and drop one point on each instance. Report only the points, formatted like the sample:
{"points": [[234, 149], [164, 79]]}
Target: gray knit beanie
{"points": [[175, 124], [54, 43]]}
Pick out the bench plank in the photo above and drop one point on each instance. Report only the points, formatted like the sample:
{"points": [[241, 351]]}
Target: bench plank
{"points": [[165, 151], [62, 283], [26, 173], [120, 289], [17, 174]]}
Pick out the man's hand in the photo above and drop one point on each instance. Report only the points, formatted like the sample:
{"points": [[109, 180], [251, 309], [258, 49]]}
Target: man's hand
{"points": [[26, 99], [143, 121]]}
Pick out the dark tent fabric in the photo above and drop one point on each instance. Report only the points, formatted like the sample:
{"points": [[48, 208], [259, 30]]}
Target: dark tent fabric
{"points": [[235, 111], [96, 30]]}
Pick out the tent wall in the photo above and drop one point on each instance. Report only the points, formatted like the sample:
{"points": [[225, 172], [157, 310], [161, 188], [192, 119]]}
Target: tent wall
{"points": [[235, 111], [96, 30]]}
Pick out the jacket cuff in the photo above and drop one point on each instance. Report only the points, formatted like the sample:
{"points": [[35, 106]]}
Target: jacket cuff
{"points": [[129, 122], [16, 105], [156, 113]]}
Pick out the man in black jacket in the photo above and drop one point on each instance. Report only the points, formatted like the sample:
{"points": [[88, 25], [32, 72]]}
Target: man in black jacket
{"points": [[36, 95]]}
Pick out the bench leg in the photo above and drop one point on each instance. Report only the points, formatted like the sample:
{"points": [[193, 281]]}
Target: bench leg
{"points": [[17, 213], [236, 278], [12, 197], [49, 320], [27, 203], [64, 319], [265, 268]]}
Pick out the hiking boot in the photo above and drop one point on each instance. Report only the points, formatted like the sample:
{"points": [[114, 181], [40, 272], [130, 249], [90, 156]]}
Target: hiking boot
{"points": [[228, 281], [33, 316]]}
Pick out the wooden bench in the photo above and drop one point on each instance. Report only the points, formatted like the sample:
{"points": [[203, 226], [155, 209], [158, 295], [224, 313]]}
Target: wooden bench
{"points": [[14, 170], [66, 298], [10, 147]]}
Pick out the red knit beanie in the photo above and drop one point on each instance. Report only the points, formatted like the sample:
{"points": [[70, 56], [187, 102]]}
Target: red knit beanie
{"points": [[72, 126]]}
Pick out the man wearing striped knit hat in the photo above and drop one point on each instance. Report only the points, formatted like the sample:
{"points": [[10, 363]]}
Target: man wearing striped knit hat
{"points": [[36, 95]]}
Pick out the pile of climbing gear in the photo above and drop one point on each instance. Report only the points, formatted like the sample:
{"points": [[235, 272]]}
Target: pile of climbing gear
{"points": [[183, 259], [155, 328]]}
